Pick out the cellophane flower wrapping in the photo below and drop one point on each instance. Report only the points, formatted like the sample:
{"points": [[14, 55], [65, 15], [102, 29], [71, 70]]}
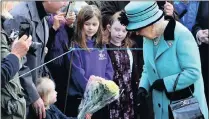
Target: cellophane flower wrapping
{"points": [[99, 92]]}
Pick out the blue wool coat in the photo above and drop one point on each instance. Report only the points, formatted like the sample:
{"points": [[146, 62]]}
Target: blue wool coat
{"points": [[174, 56]]}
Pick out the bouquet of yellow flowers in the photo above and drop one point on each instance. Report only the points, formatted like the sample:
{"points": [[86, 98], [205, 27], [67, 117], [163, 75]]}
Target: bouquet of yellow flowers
{"points": [[99, 92]]}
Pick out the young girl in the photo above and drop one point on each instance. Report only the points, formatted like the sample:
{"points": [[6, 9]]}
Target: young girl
{"points": [[122, 61], [46, 89], [87, 61]]}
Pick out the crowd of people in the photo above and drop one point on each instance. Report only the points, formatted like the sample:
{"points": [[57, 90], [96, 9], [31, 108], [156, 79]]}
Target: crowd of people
{"points": [[50, 49]]}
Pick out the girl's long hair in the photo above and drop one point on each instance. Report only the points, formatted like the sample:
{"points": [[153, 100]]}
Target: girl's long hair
{"points": [[86, 13]]}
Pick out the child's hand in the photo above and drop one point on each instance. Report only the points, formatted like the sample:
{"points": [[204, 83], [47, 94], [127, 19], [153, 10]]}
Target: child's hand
{"points": [[71, 18], [88, 116], [58, 19], [92, 77]]}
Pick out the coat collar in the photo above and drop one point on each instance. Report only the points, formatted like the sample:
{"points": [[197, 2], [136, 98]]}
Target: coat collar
{"points": [[169, 30], [33, 11], [163, 45], [37, 11], [168, 36], [41, 25]]}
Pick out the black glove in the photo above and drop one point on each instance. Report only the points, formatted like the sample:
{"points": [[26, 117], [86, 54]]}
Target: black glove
{"points": [[158, 85], [141, 96]]}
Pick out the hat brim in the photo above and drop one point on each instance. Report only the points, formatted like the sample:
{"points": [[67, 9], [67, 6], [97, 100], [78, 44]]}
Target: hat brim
{"points": [[139, 25]]}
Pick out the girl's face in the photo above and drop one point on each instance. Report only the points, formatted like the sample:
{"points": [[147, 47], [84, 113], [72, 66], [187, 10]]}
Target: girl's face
{"points": [[91, 26], [117, 32]]}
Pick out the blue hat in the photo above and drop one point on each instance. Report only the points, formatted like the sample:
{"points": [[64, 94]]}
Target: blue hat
{"points": [[141, 14]]}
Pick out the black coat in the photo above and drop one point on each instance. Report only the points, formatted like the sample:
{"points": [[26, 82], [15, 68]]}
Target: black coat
{"points": [[202, 24]]}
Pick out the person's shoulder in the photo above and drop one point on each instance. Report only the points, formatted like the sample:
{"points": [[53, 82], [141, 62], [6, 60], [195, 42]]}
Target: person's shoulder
{"points": [[21, 9], [14, 24], [182, 32], [180, 27]]}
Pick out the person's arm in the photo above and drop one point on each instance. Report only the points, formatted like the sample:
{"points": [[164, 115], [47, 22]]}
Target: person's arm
{"points": [[78, 73], [10, 63], [52, 32], [109, 69], [58, 112], [197, 27], [144, 82], [9, 67], [70, 31], [189, 60], [168, 9]]}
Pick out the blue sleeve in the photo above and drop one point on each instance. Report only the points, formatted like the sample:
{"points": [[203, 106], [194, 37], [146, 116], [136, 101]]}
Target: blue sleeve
{"points": [[58, 112], [189, 60], [9, 67], [109, 69], [78, 73]]}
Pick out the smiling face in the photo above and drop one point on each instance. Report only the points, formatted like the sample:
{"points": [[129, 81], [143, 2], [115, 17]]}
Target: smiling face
{"points": [[117, 32], [90, 27]]}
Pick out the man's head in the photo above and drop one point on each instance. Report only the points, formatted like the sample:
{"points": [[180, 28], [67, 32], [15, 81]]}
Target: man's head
{"points": [[53, 6]]}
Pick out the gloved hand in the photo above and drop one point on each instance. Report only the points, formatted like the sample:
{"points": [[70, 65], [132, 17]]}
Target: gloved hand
{"points": [[158, 85], [141, 96]]}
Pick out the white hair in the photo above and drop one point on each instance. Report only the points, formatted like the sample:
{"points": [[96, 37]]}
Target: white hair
{"points": [[159, 26], [5, 10], [44, 86]]}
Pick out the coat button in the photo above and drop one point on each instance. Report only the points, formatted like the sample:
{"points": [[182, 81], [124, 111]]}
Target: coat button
{"points": [[45, 50], [159, 105], [153, 70]]}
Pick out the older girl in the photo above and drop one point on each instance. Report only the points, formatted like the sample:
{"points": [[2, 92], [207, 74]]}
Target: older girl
{"points": [[122, 61], [87, 61]]}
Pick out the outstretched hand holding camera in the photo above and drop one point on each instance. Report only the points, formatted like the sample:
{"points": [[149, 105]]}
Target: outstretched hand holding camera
{"points": [[20, 47]]}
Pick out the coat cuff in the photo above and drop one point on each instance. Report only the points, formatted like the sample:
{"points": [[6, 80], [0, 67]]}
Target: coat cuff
{"points": [[144, 84], [169, 82], [14, 61]]}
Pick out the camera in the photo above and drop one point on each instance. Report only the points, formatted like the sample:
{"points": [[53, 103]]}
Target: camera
{"points": [[24, 29]]}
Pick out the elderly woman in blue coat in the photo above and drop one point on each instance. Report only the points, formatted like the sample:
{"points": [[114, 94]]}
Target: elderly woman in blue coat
{"points": [[169, 50]]}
